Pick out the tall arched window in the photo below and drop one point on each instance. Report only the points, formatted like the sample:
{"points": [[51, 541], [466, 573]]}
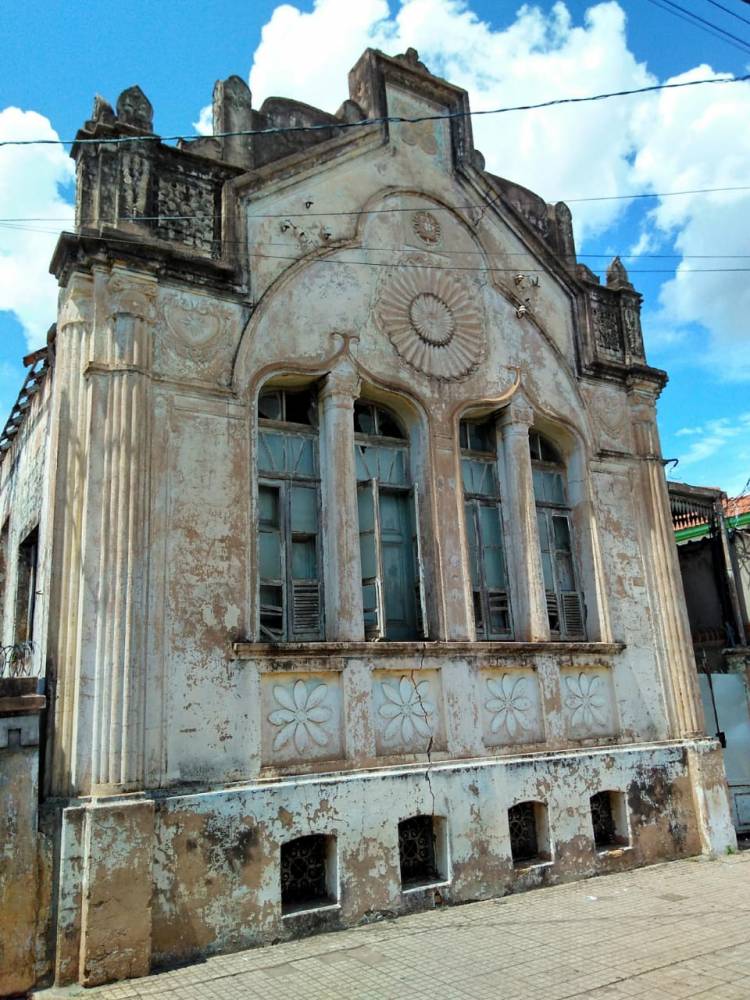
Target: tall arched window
{"points": [[564, 599], [289, 556], [392, 587], [484, 530]]}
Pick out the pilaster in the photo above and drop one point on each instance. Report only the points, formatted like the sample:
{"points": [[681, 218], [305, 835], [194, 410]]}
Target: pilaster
{"points": [[672, 633]]}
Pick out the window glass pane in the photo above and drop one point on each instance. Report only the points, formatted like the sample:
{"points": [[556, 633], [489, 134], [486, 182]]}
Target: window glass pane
{"points": [[366, 461], [541, 522], [269, 406], [463, 434], [392, 466], [548, 452], [269, 548], [300, 407], [471, 538], [364, 418], [537, 476], [271, 452], [387, 425], [565, 578], [556, 490], [271, 613], [561, 533], [301, 456], [367, 550], [304, 510], [489, 525], [304, 560], [494, 567], [268, 503], [549, 576], [398, 560]]}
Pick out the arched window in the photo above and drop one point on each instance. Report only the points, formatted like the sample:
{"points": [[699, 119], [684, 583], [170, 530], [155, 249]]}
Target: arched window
{"points": [[289, 556], [484, 530], [564, 599], [392, 588]]}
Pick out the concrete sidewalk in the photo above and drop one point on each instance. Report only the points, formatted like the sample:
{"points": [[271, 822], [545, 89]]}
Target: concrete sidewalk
{"points": [[674, 930]]}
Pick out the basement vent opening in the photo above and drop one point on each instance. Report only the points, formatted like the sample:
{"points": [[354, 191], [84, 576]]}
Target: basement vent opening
{"points": [[308, 873], [609, 820], [529, 833], [421, 850]]}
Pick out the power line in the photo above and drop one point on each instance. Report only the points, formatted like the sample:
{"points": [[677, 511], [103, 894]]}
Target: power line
{"points": [[727, 10], [702, 24], [386, 120], [446, 251], [373, 211]]}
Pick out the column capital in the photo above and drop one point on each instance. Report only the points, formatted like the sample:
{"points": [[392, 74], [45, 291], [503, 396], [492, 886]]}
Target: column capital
{"points": [[518, 414], [343, 380]]}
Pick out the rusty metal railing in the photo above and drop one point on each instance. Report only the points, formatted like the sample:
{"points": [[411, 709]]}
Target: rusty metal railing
{"points": [[17, 660]]}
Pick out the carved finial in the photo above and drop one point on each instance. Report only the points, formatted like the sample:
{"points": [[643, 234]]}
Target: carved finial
{"points": [[134, 108], [102, 111], [617, 276], [411, 58]]}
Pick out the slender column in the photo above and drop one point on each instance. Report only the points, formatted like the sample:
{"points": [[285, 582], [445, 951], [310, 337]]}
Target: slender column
{"points": [[455, 618], [673, 645], [342, 571], [522, 536]]}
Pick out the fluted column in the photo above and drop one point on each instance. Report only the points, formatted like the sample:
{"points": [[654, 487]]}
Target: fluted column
{"points": [[115, 543], [455, 612], [69, 428], [519, 518], [673, 645], [341, 560]]}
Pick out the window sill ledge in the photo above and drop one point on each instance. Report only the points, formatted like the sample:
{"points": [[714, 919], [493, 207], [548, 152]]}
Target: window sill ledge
{"points": [[306, 911], [411, 890], [378, 650]]}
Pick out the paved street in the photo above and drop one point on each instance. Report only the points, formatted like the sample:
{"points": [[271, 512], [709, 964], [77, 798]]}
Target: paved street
{"points": [[676, 930]]}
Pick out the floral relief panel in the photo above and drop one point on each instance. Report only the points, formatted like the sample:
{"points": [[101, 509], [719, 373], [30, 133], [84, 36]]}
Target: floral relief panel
{"points": [[302, 717], [511, 707], [588, 702], [408, 711]]}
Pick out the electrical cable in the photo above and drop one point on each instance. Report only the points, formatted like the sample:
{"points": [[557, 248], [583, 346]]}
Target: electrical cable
{"points": [[388, 119], [380, 211], [702, 24], [726, 10]]}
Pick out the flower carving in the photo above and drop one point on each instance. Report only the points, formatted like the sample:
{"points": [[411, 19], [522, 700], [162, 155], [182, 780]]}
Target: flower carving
{"points": [[432, 318], [509, 705], [586, 701], [301, 716], [407, 710], [426, 226]]}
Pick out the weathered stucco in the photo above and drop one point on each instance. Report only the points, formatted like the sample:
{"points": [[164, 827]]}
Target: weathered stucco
{"points": [[175, 768]]}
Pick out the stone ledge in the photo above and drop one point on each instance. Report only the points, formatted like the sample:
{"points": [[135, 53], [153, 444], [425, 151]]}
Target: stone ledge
{"points": [[377, 650]]}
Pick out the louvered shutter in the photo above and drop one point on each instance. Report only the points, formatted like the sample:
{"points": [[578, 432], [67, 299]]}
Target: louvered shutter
{"points": [[306, 609], [572, 614]]}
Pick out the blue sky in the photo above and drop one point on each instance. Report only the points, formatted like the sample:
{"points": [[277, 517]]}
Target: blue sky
{"points": [[57, 56]]}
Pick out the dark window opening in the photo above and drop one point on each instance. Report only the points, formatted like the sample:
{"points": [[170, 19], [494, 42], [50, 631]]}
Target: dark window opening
{"points": [[375, 421], [28, 555], [524, 839], [417, 849], [607, 809], [289, 406], [306, 873]]}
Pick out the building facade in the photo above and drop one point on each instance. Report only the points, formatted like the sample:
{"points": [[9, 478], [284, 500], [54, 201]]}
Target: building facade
{"points": [[355, 589]]}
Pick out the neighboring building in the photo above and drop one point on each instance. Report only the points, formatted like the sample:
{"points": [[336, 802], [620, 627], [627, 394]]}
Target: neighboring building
{"points": [[713, 542], [355, 589]]}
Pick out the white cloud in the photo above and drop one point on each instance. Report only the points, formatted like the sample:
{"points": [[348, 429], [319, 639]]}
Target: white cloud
{"points": [[691, 139], [560, 153], [205, 123], [30, 177], [713, 437]]}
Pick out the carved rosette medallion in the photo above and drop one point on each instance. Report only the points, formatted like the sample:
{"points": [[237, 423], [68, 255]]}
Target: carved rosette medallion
{"points": [[426, 227], [433, 321]]}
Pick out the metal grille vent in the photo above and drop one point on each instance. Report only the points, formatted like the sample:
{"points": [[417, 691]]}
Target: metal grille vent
{"points": [[416, 848], [303, 872], [605, 834], [524, 842]]}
